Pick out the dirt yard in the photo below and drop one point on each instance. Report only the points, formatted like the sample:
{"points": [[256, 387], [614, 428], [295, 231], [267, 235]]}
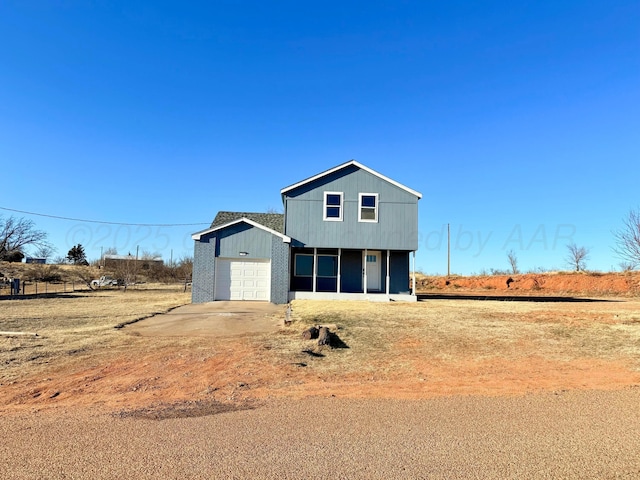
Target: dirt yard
{"points": [[625, 284], [448, 344], [470, 382]]}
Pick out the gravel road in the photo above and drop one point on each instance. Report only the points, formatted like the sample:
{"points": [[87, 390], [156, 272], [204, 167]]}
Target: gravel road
{"points": [[562, 435]]}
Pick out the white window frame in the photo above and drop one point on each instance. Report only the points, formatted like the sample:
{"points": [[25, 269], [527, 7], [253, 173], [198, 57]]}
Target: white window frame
{"points": [[360, 207], [341, 206]]}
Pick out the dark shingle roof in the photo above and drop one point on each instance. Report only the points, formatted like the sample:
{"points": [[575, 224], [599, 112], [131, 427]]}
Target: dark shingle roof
{"points": [[274, 221]]}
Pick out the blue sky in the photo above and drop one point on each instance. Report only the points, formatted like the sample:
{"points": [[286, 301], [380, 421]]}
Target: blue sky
{"points": [[518, 121]]}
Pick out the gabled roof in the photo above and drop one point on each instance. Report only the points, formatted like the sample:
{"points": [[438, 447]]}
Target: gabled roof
{"points": [[220, 223], [345, 165], [274, 221]]}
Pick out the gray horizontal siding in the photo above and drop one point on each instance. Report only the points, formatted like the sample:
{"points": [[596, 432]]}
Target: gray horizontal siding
{"points": [[396, 229]]}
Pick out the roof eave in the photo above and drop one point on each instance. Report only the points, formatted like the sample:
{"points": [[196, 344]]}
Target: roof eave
{"points": [[199, 235], [344, 165]]}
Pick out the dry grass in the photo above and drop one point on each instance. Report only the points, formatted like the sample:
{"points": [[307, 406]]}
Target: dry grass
{"points": [[388, 338], [73, 324], [409, 350]]}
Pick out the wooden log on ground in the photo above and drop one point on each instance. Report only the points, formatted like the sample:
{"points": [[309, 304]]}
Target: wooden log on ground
{"points": [[324, 337], [310, 333]]}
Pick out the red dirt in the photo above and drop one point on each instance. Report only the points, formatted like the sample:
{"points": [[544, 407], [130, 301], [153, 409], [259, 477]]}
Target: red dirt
{"points": [[237, 371], [562, 283], [237, 374]]}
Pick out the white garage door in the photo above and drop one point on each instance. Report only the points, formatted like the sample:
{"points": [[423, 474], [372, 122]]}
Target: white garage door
{"points": [[242, 279]]}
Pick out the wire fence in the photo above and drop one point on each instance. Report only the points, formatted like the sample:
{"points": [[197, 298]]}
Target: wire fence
{"points": [[31, 289], [34, 288]]}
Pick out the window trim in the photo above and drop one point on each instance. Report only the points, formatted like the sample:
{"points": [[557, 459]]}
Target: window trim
{"points": [[295, 264], [341, 207], [375, 209]]}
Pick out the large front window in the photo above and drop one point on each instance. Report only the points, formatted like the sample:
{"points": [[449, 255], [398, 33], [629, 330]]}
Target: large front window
{"points": [[321, 276], [327, 273], [327, 265], [333, 206], [303, 265]]}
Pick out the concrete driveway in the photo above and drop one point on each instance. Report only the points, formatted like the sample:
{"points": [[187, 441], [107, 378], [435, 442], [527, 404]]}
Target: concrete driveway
{"points": [[213, 319]]}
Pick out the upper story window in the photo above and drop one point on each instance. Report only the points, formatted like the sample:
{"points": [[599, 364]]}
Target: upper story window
{"points": [[368, 207], [333, 206]]}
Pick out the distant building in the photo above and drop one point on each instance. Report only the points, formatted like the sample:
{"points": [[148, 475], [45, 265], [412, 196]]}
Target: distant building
{"points": [[116, 261], [35, 260]]}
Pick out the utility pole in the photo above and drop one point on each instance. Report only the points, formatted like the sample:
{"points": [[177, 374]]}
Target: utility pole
{"points": [[135, 271], [448, 250]]}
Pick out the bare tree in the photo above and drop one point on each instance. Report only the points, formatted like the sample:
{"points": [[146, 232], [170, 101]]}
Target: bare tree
{"points": [[85, 275], [626, 266], [150, 256], [628, 239], [44, 251], [60, 260], [577, 257], [513, 261], [184, 268], [126, 271], [18, 233]]}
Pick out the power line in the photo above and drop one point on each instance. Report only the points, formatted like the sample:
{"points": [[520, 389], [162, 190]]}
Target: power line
{"points": [[106, 223]]}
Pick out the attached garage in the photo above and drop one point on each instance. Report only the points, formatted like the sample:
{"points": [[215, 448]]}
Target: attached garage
{"points": [[243, 280], [243, 256]]}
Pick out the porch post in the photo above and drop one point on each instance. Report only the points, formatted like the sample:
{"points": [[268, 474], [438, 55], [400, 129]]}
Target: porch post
{"points": [[339, 261], [315, 268], [388, 276], [413, 289], [364, 269]]}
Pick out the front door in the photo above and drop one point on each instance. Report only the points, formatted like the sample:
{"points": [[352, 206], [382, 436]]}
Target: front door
{"points": [[374, 271]]}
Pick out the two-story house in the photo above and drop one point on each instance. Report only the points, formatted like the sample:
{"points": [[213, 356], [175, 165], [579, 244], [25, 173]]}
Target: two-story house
{"points": [[346, 233]]}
